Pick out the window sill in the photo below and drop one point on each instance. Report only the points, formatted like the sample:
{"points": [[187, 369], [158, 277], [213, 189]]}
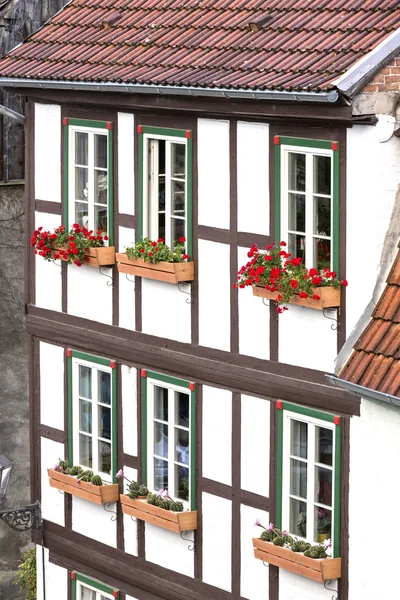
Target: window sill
{"points": [[318, 569], [329, 297], [103, 256], [162, 271], [93, 493], [173, 521]]}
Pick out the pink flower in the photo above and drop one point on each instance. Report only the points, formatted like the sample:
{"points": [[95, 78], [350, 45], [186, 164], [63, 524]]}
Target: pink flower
{"points": [[271, 527], [56, 468], [257, 523], [120, 474]]}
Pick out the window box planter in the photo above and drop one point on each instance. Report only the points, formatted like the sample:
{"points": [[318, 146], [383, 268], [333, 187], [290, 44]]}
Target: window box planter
{"points": [[98, 494], [167, 519], [101, 256], [162, 271], [318, 569], [329, 297]]}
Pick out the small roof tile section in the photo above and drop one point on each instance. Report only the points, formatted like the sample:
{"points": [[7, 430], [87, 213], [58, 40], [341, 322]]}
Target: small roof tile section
{"points": [[302, 44], [375, 362]]}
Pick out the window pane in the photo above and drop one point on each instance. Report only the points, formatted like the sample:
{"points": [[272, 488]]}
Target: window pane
{"points": [[105, 422], [297, 172], [297, 212], [297, 245], [323, 524], [322, 175], [81, 148], [182, 446], [178, 156], [160, 145], [104, 457], [104, 383], [100, 218], [322, 216], [182, 409], [178, 198], [324, 446], [161, 225], [81, 183], [160, 474], [323, 483], [160, 403], [182, 482], [161, 193], [298, 478], [85, 450], [85, 416], [299, 438], [100, 187], [177, 229], [85, 381], [87, 594], [81, 214], [298, 518], [100, 151], [322, 254], [161, 439]]}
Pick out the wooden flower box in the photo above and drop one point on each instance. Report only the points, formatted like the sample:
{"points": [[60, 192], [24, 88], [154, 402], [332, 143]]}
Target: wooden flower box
{"points": [[318, 569], [162, 271], [329, 297], [173, 521], [101, 256], [98, 494]]}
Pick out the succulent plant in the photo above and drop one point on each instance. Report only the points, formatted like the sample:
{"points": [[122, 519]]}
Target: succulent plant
{"points": [[279, 541], [143, 491], [63, 464], [96, 480], [75, 470]]}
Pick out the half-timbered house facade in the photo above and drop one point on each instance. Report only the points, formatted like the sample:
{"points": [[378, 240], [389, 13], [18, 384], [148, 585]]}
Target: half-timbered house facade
{"points": [[230, 124]]}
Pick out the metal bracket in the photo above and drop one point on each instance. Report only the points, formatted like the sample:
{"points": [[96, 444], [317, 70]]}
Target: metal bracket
{"points": [[265, 301], [107, 508], [188, 300], [24, 518], [109, 283], [334, 596], [192, 544], [131, 280], [334, 325]]}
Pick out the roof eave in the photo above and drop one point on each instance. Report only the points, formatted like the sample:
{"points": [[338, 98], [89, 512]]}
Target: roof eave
{"points": [[131, 88], [363, 392]]}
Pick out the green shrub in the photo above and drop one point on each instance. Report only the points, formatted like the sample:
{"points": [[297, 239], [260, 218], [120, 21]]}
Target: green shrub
{"points": [[26, 578]]}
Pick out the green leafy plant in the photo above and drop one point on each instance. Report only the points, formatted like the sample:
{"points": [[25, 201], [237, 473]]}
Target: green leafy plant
{"points": [[66, 245], [277, 271], [277, 537], [155, 252], [26, 577]]}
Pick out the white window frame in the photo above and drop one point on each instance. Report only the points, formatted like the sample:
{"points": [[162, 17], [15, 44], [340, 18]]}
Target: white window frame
{"points": [[172, 388], [310, 236], [91, 131], [99, 593], [311, 478], [150, 188], [76, 362]]}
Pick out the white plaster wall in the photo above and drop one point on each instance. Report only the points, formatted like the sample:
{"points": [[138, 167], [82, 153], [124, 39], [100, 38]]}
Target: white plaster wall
{"points": [[253, 177], [254, 582], [165, 312], [56, 578], [129, 410], [89, 296], [255, 445], [126, 173], [217, 541], [130, 524], [47, 275], [373, 176], [214, 295], [217, 434], [52, 503], [254, 335], [93, 521], [126, 286], [213, 173], [169, 550], [48, 152], [127, 597], [374, 456], [296, 587], [51, 385], [306, 338]]}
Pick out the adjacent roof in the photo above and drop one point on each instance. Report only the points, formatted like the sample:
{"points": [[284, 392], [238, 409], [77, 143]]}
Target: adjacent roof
{"points": [[304, 45], [375, 362]]}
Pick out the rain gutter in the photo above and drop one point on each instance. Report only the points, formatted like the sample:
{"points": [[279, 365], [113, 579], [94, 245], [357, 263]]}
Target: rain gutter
{"points": [[168, 90], [363, 392]]}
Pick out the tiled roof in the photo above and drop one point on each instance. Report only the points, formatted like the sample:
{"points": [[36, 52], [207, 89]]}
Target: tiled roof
{"points": [[375, 362], [304, 45]]}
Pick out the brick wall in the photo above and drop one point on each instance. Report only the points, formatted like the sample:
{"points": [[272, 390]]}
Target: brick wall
{"points": [[386, 80]]}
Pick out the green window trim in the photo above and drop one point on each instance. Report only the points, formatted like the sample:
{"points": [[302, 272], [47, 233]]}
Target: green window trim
{"points": [[100, 587], [167, 132], [98, 360], [310, 143], [330, 418], [167, 379], [108, 126]]}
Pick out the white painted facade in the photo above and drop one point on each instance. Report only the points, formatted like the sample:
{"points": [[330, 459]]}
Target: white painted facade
{"points": [[48, 152]]}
